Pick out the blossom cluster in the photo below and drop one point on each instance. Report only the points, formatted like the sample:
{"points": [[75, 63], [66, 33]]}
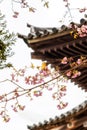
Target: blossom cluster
{"points": [[25, 4], [58, 96], [73, 72], [40, 73], [82, 31], [78, 31], [44, 78]]}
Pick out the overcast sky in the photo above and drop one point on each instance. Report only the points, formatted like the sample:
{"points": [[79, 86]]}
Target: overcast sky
{"points": [[44, 107]]}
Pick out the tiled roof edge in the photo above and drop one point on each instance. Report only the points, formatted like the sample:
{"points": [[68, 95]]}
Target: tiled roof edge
{"points": [[58, 119], [37, 32]]}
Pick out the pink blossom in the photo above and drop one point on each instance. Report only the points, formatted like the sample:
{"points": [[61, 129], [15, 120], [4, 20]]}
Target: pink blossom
{"points": [[21, 107], [76, 74], [79, 61], [22, 71], [79, 73], [64, 60], [27, 80], [62, 105], [13, 76], [82, 10], [15, 16], [62, 94], [82, 35], [37, 93], [17, 80], [69, 73], [79, 31], [84, 29], [63, 88], [1, 97], [14, 109], [6, 118]]}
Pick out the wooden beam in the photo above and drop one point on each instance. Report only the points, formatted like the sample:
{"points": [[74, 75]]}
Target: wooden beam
{"points": [[75, 123]]}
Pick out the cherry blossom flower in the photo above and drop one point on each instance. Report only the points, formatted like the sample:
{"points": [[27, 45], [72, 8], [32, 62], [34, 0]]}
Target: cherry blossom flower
{"points": [[61, 105], [37, 93], [79, 61], [64, 60], [6, 118], [39, 78], [82, 31], [82, 10], [1, 97], [84, 28], [14, 109], [63, 88], [21, 107], [27, 80], [69, 73], [13, 76], [76, 74], [61, 94], [15, 15]]}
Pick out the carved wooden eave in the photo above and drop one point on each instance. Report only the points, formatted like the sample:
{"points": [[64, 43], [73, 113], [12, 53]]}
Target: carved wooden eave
{"points": [[52, 44], [75, 119]]}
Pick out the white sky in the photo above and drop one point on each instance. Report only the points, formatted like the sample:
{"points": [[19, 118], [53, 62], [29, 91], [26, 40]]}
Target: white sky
{"points": [[44, 107]]}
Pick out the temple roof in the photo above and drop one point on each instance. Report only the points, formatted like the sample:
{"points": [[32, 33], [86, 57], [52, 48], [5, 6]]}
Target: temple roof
{"points": [[73, 119], [40, 34], [52, 45]]}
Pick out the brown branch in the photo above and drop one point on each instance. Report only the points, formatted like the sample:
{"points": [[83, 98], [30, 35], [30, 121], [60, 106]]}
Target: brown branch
{"points": [[25, 91], [12, 82], [15, 97]]}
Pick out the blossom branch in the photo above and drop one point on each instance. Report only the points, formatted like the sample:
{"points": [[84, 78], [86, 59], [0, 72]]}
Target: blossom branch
{"points": [[25, 91], [36, 90]]}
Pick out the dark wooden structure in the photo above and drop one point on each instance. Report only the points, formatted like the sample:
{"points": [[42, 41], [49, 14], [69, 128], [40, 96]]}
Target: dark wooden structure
{"points": [[51, 45], [75, 119]]}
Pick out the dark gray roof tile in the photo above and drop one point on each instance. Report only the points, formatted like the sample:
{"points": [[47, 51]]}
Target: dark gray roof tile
{"points": [[63, 117]]}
